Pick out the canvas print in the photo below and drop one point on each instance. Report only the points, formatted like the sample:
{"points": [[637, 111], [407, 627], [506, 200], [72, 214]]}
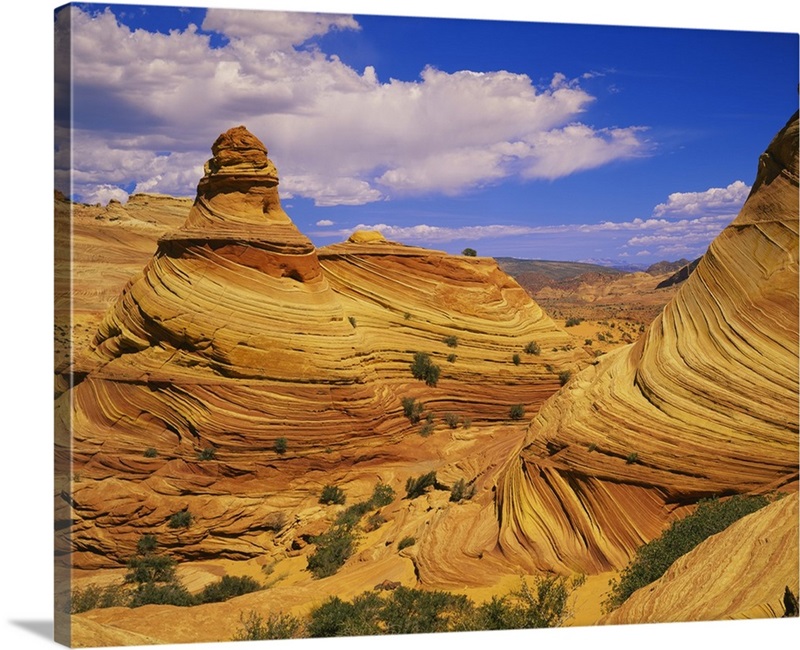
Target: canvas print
{"points": [[374, 325]]}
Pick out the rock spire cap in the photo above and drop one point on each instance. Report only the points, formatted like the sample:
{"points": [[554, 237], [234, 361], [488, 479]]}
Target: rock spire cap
{"points": [[237, 148]]}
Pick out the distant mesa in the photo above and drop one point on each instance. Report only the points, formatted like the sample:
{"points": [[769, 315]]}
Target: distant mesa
{"points": [[681, 275]]}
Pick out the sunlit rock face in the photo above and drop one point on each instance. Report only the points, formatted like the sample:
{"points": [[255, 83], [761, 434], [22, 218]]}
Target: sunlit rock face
{"points": [[239, 333], [705, 403]]}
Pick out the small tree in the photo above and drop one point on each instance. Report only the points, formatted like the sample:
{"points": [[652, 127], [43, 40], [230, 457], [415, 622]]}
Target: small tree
{"points": [[564, 377], [516, 360], [532, 348], [451, 420], [281, 445], [469, 252], [412, 409], [182, 519]]}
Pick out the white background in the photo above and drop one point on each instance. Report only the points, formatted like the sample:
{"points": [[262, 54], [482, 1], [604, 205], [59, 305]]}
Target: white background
{"points": [[26, 315]]}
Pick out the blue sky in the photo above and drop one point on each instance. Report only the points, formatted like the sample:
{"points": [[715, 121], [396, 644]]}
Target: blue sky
{"points": [[537, 140]]}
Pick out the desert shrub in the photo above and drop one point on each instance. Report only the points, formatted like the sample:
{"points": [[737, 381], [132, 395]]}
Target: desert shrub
{"points": [[592, 446], [426, 429], [466, 423], [632, 458], [226, 588], [352, 320], [451, 358], [382, 495], [654, 558], [462, 491], [516, 359], [182, 519], [564, 377], [336, 617], [424, 369], [417, 486], [94, 597], [587, 341], [334, 547], [150, 452], [209, 453], [601, 336], [532, 348], [172, 593], [332, 494], [406, 316], [546, 604], [374, 521], [276, 626], [147, 544], [350, 517], [469, 252], [412, 409], [451, 420], [405, 543], [414, 611], [275, 521], [517, 412], [280, 445], [450, 341], [155, 580], [572, 321]]}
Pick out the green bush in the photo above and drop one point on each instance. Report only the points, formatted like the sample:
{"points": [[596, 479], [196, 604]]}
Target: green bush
{"points": [[412, 409], [374, 521], [532, 348], [462, 491], [515, 359], [352, 320], [632, 458], [469, 252], [94, 597], [226, 588], [451, 358], [150, 452], [405, 543], [451, 420], [517, 412], [209, 453], [592, 446], [350, 517], [276, 626], [653, 559], [564, 377], [151, 568], [147, 544], [424, 369], [336, 617], [281, 445], [172, 593], [334, 547], [450, 341], [332, 494], [573, 321], [426, 429], [417, 486], [182, 519], [382, 495]]}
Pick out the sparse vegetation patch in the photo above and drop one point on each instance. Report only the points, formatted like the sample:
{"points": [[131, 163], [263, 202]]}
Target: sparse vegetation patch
{"points": [[424, 369]]}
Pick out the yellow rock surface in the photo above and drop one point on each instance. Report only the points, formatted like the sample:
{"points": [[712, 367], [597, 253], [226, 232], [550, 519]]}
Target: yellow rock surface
{"points": [[741, 572], [705, 403]]}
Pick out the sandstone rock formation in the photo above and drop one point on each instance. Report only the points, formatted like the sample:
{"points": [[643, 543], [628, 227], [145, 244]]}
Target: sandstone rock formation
{"points": [[742, 572], [704, 404], [239, 333]]}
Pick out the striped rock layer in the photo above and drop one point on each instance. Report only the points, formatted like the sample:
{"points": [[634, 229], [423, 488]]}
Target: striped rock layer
{"points": [[705, 403], [238, 333]]}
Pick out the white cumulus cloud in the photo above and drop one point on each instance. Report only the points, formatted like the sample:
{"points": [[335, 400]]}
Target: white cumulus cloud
{"points": [[149, 105], [714, 200]]}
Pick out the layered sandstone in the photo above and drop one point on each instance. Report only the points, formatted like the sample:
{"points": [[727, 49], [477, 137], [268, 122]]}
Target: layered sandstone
{"points": [[238, 333], [705, 403]]}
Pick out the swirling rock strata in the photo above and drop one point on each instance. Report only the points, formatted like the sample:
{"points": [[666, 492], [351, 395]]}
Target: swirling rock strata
{"points": [[238, 333], [705, 403], [742, 572]]}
